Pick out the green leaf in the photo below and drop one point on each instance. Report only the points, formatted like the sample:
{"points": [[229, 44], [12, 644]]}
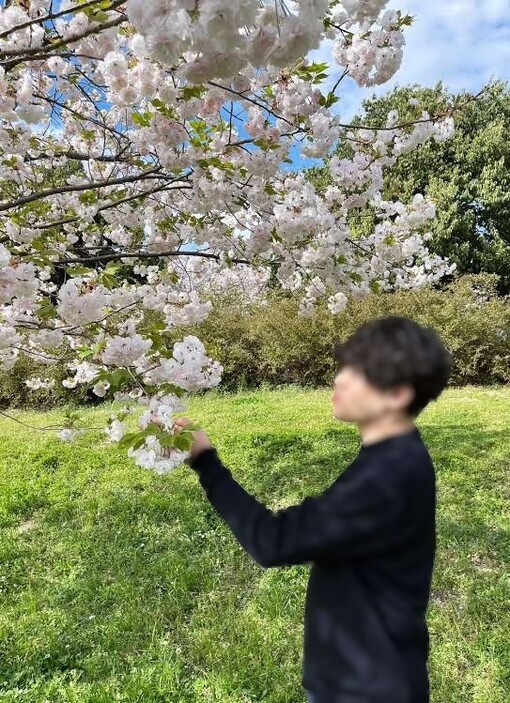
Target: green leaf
{"points": [[107, 275], [355, 277], [183, 441], [79, 271], [193, 91], [167, 440], [265, 145], [88, 134], [407, 20], [16, 217], [138, 443], [141, 120], [129, 439], [158, 342], [94, 350], [314, 72], [117, 378], [88, 197], [107, 281], [217, 162], [85, 353], [96, 15], [10, 162], [162, 107], [104, 4], [171, 389], [152, 429], [46, 310], [113, 266], [328, 100]]}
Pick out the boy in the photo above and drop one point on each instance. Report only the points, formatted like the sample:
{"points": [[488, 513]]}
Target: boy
{"points": [[371, 535]]}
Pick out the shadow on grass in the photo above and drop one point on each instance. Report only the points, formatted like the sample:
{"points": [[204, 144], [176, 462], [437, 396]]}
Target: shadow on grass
{"points": [[471, 438], [473, 536]]}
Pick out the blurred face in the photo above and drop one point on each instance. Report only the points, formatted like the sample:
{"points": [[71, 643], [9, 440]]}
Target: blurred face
{"points": [[356, 400]]}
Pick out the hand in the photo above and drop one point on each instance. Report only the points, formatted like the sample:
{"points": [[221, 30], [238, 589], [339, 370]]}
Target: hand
{"points": [[200, 439]]}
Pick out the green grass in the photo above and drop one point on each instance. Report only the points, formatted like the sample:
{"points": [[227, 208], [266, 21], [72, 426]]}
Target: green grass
{"points": [[118, 585]]}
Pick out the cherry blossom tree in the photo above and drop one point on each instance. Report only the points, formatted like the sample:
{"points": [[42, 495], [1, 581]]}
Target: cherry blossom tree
{"points": [[146, 159]]}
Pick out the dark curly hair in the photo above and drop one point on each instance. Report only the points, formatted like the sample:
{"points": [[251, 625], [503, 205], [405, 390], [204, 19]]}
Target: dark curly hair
{"points": [[393, 350]]}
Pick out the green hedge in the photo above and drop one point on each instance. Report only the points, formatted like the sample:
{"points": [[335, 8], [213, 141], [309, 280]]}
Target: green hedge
{"points": [[271, 345]]}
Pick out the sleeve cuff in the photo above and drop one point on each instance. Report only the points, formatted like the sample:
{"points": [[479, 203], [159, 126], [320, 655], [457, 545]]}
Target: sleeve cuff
{"points": [[208, 466]]}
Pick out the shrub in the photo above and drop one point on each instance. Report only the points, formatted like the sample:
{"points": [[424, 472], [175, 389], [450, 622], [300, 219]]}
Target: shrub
{"points": [[271, 344]]}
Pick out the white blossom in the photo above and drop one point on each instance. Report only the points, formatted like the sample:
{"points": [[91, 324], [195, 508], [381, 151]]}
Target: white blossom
{"points": [[167, 181]]}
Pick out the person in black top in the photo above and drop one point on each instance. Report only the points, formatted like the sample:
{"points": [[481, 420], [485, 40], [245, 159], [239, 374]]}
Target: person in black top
{"points": [[370, 537]]}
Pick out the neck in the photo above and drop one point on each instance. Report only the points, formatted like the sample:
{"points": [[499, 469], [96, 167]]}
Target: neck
{"points": [[376, 430]]}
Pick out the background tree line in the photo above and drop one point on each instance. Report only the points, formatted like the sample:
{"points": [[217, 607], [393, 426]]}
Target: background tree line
{"points": [[468, 176]]}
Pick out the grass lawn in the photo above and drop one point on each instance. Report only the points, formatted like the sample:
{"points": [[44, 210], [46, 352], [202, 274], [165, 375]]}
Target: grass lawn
{"points": [[118, 585]]}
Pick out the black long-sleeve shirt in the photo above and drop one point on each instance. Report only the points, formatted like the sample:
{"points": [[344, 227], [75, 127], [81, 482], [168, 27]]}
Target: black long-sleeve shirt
{"points": [[371, 540]]}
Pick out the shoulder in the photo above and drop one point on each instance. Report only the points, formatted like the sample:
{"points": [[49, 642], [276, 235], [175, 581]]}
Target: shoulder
{"points": [[406, 468], [414, 481]]}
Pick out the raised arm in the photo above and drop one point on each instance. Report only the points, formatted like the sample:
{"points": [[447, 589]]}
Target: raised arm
{"points": [[358, 514]]}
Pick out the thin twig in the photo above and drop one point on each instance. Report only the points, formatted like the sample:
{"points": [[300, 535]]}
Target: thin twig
{"points": [[47, 428]]}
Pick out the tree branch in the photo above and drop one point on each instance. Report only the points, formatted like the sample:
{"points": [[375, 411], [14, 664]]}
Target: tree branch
{"points": [[32, 55], [55, 15], [94, 185], [74, 155], [250, 100], [142, 255], [65, 221]]}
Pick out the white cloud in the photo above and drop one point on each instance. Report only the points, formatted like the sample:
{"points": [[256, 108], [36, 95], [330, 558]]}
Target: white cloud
{"points": [[464, 43]]}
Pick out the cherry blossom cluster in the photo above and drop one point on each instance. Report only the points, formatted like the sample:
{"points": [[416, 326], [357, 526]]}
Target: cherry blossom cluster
{"points": [[146, 152]]}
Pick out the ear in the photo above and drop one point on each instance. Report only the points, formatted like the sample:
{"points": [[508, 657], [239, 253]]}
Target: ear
{"points": [[403, 395], [410, 393]]}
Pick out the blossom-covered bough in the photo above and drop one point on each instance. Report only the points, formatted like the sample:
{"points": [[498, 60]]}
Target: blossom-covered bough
{"points": [[146, 152]]}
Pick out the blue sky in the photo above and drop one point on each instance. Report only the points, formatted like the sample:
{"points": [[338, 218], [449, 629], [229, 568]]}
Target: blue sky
{"points": [[464, 43]]}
